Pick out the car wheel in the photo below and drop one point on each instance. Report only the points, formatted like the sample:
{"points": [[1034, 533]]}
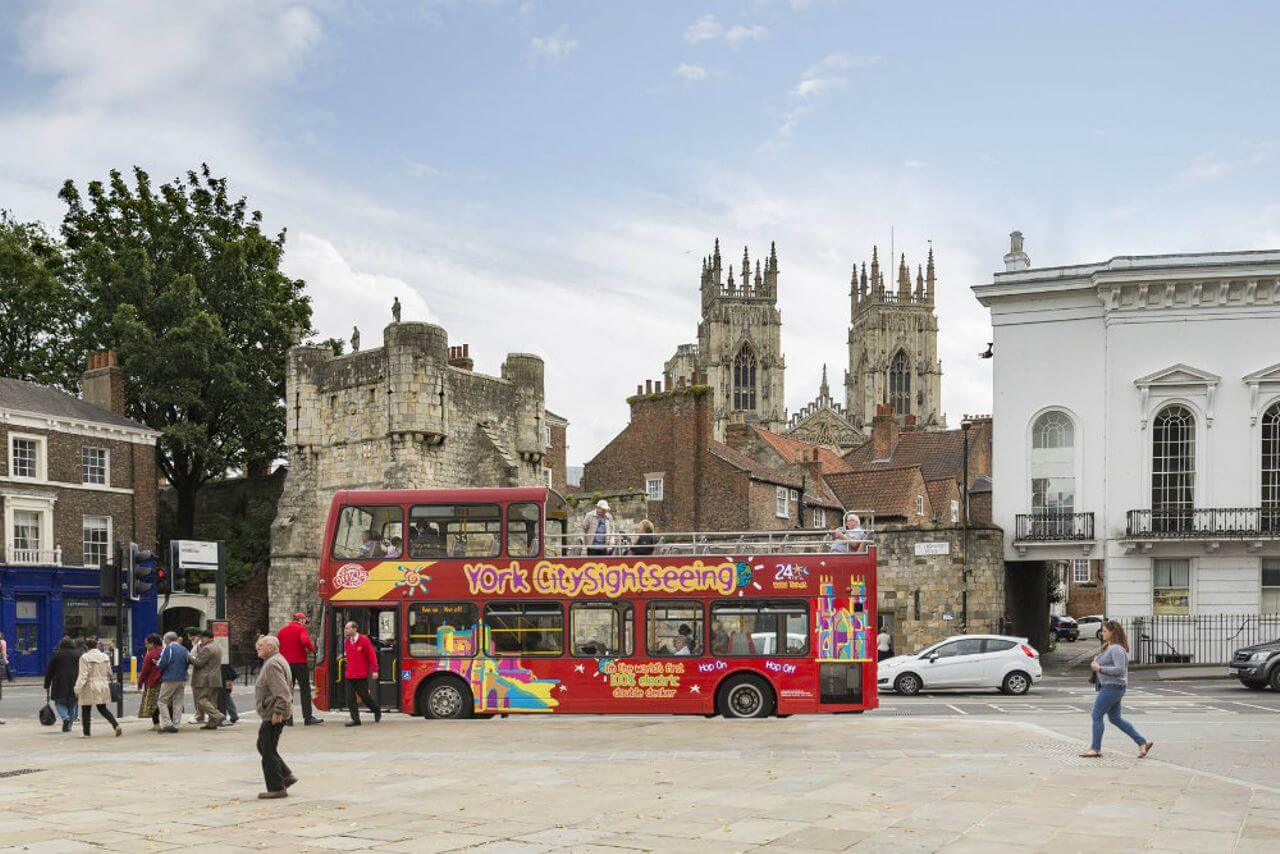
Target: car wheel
{"points": [[907, 684], [1099, 636], [1275, 678], [1016, 683], [1253, 686], [447, 699], [746, 696]]}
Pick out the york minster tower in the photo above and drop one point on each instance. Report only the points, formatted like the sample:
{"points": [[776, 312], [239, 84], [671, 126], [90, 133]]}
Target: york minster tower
{"points": [[739, 349], [893, 346]]}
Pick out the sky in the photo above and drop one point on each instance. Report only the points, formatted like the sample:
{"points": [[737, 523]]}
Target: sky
{"points": [[544, 177]]}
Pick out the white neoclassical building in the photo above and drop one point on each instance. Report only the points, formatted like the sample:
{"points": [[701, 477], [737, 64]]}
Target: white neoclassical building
{"points": [[1137, 430]]}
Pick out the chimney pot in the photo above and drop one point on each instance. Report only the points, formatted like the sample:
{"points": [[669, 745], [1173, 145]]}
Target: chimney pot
{"points": [[648, 386], [639, 389]]}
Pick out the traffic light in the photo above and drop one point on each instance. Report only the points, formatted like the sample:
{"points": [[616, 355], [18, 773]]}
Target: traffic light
{"points": [[178, 577], [109, 575], [141, 571]]}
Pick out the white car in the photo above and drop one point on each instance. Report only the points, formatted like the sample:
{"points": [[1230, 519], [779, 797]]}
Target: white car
{"points": [[965, 661], [1091, 625]]}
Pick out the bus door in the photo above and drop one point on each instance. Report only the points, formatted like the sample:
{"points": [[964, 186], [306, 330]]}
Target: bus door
{"points": [[381, 624]]}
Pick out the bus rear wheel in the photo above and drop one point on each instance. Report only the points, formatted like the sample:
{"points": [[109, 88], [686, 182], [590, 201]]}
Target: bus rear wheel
{"points": [[746, 696], [447, 699]]}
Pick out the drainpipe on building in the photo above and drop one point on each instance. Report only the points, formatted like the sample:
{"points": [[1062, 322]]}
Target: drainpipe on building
{"points": [[964, 615]]}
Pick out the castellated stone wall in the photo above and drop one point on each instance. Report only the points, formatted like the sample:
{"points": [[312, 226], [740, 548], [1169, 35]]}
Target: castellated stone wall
{"points": [[407, 415]]}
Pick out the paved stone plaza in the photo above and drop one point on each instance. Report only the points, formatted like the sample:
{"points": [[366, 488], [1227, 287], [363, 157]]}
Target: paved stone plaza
{"points": [[874, 782]]}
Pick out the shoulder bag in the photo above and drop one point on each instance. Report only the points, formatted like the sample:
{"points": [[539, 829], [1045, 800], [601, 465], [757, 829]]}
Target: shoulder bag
{"points": [[46, 714]]}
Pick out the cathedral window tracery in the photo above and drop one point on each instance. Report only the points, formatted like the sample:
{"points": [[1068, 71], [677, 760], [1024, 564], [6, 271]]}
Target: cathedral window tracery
{"points": [[900, 384], [744, 379]]}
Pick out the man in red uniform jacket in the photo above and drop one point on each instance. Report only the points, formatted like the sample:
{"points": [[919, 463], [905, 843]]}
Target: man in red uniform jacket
{"points": [[295, 644], [361, 663]]}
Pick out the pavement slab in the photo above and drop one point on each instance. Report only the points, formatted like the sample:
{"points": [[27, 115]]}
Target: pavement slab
{"points": [[617, 784]]}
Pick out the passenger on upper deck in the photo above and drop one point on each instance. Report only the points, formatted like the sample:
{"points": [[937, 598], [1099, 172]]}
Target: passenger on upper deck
{"points": [[851, 537], [599, 532], [426, 542], [643, 544]]}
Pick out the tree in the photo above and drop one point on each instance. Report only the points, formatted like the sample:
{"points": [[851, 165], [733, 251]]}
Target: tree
{"points": [[185, 285], [39, 308]]}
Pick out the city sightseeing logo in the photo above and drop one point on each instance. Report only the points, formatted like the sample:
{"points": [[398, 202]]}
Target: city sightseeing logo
{"points": [[350, 575]]}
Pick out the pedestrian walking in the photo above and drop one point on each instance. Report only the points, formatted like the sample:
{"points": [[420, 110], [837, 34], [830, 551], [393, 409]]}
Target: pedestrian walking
{"points": [[226, 702], [361, 665], [173, 664], [295, 646], [273, 699], [884, 644], [93, 688], [1111, 677], [206, 680], [60, 681], [149, 682]]}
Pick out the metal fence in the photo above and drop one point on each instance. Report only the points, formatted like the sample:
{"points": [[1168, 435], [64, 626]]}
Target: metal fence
{"points": [[1196, 639], [1053, 527], [1187, 522]]}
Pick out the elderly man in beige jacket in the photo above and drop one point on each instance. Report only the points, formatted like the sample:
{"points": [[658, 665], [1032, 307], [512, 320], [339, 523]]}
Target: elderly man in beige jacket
{"points": [[273, 697], [206, 679]]}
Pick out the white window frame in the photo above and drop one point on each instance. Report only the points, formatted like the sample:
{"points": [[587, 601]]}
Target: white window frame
{"points": [[1265, 588], [546, 435], [782, 503], [43, 506], [654, 486], [548, 476], [42, 457], [919, 505], [819, 517], [1189, 587], [84, 527], [106, 465], [1076, 566], [955, 511]]}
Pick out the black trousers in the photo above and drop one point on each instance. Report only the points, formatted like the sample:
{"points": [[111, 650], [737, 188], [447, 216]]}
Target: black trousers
{"points": [[302, 678], [359, 688], [86, 711], [273, 768]]}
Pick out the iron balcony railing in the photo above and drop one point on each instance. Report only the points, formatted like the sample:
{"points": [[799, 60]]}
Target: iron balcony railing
{"points": [[1198, 638], [1204, 522], [1053, 527]]}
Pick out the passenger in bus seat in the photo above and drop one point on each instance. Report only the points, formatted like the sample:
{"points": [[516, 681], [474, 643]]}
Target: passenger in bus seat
{"points": [[681, 645], [849, 538], [719, 639], [370, 546], [644, 543], [394, 551], [426, 541]]}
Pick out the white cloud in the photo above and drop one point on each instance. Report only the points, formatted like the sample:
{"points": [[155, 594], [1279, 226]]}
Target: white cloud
{"points": [[704, 29], [552, 49], [692, 73], [739, 33], [708, 28], [814, 83], [422, 170], [1207, 167], [816, 86]]}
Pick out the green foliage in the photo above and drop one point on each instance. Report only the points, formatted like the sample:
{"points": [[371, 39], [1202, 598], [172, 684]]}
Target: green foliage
{"points": [[185, 285], [1052, 584], [39, 308], [337, 345]]}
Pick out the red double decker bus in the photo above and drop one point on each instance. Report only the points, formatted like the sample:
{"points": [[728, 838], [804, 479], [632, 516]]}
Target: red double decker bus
{"points": [[479, 604]]}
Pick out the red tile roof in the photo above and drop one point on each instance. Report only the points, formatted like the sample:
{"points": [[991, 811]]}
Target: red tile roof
{"points": [[884, 491], [938, 453], [789, 449]]}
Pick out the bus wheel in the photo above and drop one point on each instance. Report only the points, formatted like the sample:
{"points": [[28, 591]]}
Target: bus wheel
{"points": [[447, 699], [746, 696]]}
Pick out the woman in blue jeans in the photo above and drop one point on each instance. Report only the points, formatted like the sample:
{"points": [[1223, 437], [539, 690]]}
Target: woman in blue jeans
{"points": [[1112, 667]]}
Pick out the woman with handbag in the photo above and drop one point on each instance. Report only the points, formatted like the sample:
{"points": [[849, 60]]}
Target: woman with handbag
{"points": [[60, 681], [149, 682], [93, 687], [1111, 677]]}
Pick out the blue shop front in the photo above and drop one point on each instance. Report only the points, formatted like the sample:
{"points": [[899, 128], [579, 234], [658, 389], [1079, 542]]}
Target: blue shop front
{"points": [[39, 605]]}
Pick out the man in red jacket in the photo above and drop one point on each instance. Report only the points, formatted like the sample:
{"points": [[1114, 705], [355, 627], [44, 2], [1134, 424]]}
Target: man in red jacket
{"points": [[295, 643], [361, 665]]}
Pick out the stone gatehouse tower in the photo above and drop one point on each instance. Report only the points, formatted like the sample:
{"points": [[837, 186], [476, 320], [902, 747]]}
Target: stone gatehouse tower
{"points": [[409, 414], [739, 344], [893, 347]]}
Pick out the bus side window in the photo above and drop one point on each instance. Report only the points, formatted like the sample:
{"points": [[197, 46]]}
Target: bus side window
{"points": [[674, 629], [525, 628], [602, 629], [442, 629], [522, 529], [454, 530], [367, 533]]}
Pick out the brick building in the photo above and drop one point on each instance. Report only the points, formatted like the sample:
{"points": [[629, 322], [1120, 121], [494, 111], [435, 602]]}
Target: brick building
{"points": [[411, 414], [76, 476], [691, 481]]}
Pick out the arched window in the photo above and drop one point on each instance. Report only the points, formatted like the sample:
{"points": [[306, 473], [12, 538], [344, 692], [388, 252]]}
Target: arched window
{"points": [[1173, 469], [744, 379], [1271, 469], [1053, 475], [900, 384]]}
